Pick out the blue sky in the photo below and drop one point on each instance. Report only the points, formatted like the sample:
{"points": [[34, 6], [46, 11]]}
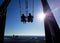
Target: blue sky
{"points": [[15, 26]]}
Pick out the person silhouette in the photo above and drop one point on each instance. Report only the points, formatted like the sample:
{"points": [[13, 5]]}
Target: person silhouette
{"points": [[23, 18], [30, 18]]}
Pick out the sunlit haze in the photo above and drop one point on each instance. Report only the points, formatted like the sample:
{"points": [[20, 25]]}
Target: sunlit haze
{"points": [[40, 16]]}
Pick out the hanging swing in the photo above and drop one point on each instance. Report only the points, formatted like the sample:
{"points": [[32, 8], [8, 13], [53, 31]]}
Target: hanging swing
{"points": [[28, 17], [23, 17]]}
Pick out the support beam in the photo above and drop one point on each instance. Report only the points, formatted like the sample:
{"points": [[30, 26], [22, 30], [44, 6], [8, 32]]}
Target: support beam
{"points": [[3, 10], [51, 26]]}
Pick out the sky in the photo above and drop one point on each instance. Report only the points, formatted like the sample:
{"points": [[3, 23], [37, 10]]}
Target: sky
{"points": [[14, 26]]}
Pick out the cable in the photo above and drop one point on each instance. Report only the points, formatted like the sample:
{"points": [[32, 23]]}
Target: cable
{"points": [[20, 6], [33, 7], [26, 7]]}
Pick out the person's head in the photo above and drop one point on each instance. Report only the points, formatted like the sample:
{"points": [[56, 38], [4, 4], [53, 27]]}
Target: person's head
{"points": [[29, 14], [23, 14]]}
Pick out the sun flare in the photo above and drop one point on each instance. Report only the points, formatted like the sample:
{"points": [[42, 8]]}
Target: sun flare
{"points": [[41, 16]]}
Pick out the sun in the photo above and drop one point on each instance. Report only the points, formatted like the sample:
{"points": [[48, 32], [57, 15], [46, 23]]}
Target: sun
{"points": [[41, 16]]}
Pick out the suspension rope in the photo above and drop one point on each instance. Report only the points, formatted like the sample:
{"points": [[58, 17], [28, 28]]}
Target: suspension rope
{"points": [[26, 7], [33, 7], [20, 6]]}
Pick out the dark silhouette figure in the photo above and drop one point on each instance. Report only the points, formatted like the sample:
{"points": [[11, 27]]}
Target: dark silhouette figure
{"points": [[23, 18], [30, 18]]}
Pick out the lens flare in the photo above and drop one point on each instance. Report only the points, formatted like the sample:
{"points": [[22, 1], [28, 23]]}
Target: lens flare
{"points": [[41, 16]]}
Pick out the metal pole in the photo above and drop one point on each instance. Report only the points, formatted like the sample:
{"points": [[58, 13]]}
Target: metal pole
{"points": [[50, 24], [3, 9]]}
